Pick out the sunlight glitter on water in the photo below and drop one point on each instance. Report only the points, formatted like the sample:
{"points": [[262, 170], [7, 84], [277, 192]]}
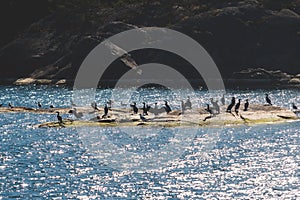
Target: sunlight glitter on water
{"points": [[244, 162]]}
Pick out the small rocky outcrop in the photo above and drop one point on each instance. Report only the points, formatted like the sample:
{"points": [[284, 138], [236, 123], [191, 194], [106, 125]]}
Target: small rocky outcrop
{"points": [[260, 76], [263, 74], [295, 80]]}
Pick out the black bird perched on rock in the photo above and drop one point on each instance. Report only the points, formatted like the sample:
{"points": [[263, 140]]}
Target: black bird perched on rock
{"points": [[94, 105], [223, 100], [246, 105], [237, 107], [208, 109], [188, 103], [10, 106], [134, 108], [182, 107], [51, 106], [59, 118], [294, 106], [167, 107], [268, 100], [143, 118], [145, 109], [231, 105], [105, 111], [210, 112], [39, 104]]}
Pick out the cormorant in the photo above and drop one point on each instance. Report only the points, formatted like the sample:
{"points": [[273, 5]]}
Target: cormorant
{"points": [[215, 105], [167, 107], [94, 105], [182, 106], [142, 118], [51, 106], [145, 109], [223, 100], [237, 107], [134, 108], [109, 103], [10, 106], [188, 103], [210, 112], [76, 114], [59, 118], [246, 106], [294, 106], [39, 104], [148, 107], [155, 110], [208, 109], [231, 105], [105, 111], [1, 104], [268, 100]]}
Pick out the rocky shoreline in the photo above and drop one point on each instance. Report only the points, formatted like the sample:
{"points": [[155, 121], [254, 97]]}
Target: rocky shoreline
{"points": [[249, 78]]}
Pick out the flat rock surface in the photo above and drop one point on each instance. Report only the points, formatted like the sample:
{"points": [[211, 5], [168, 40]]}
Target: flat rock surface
{"points": [[257, 114], [197, 117]]}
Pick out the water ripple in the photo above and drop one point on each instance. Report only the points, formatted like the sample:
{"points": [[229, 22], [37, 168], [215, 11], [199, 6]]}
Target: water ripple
{"points": [[259, 162]]}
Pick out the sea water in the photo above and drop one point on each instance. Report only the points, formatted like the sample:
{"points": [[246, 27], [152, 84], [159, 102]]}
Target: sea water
{"points": [[242, 162]]}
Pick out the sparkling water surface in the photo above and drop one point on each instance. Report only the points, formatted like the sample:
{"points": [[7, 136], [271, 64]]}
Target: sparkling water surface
{"points": [[243, 163]]}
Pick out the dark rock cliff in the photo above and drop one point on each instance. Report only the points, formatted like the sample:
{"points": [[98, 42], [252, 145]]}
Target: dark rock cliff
{"points": [[237, 35]]}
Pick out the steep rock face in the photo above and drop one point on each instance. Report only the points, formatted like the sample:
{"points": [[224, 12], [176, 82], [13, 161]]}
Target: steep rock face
{"points": [[237, 36]]}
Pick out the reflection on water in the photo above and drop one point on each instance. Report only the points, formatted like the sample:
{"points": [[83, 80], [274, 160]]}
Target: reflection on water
{"points": [[245, 162]]}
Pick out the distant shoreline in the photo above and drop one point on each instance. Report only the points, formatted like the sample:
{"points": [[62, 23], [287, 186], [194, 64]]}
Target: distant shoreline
{"points": [[196, 84]]}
